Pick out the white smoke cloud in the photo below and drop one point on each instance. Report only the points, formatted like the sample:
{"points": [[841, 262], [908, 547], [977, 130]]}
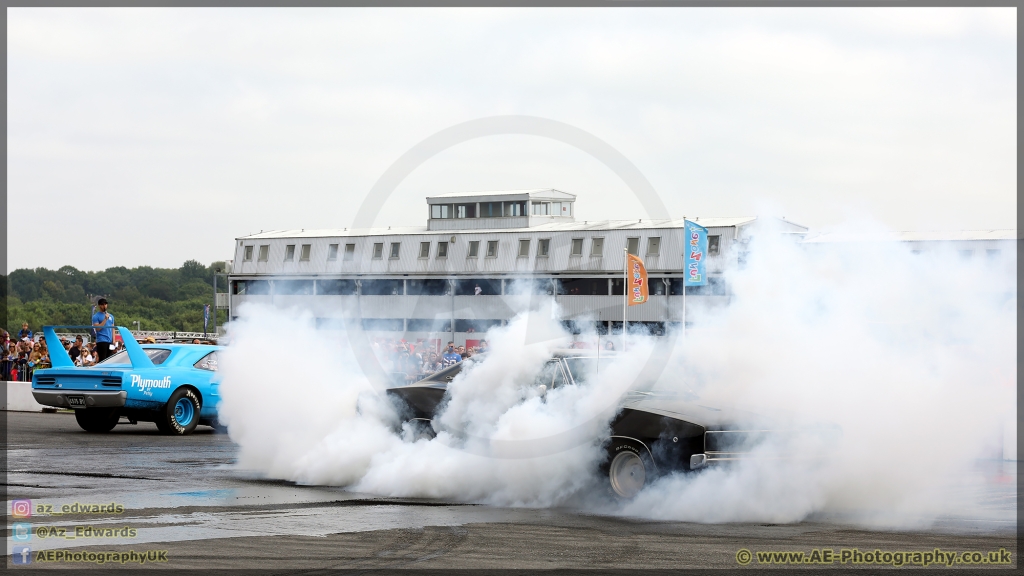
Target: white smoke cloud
{"points": [[911, 357], [501, 440]]}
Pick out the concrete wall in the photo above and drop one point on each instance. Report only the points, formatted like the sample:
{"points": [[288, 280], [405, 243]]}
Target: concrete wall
{"points": [[19, 398]]}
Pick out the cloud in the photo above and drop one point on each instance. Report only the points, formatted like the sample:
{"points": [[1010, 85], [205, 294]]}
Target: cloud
{"points": [[275, 112]]}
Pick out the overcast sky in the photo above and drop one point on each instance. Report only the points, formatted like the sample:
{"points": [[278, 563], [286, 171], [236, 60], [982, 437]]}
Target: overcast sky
{"points": [[153, 136]]}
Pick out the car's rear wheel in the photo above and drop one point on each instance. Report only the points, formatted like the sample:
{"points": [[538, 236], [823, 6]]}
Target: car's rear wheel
{"points": [[97, 419], [181, 414], [628, 469]]}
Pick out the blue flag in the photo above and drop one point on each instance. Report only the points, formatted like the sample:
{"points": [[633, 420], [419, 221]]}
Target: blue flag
{"points": [[695, 257], [206, 316]]}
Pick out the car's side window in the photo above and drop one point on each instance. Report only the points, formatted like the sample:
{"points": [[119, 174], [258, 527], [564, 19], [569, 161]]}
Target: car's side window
{"points": [[551, 375], [208, 362]]}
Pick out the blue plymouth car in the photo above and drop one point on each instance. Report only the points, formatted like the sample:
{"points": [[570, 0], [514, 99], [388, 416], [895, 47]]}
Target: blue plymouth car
{"points": [[172, 385]]}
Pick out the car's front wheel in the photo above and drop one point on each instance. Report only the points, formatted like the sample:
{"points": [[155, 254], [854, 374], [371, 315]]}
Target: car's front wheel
{"points": [[97, 419], [628, 469], [181, 414]]}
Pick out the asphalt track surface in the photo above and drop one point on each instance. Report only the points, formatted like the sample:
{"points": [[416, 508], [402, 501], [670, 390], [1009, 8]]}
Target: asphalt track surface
{"points": [[184, 496]]}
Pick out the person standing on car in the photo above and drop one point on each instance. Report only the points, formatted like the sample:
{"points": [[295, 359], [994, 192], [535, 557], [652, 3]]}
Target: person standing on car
{"points": [[103, 321]]}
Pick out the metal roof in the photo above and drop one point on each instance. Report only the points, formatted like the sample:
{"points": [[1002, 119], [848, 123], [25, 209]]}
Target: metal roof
{"points": [[915, 236], [577, 225], [529, 193]]}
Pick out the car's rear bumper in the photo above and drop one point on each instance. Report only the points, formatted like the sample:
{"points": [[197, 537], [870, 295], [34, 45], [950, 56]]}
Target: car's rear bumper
{"points": [[93, 398]]}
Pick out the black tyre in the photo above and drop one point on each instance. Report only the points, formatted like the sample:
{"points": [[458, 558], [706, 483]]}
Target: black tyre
{"points": [[628, 469], [97, 419], [181, 414], [161, 424]]}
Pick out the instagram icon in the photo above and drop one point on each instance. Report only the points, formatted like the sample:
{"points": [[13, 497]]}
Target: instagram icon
{"points": [[21, 508]]}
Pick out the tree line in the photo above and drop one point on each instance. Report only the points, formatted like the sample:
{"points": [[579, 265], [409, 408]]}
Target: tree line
{"points": [[158, 298]]}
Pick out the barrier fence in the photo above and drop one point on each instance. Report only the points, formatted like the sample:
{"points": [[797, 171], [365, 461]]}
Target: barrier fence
{"points": [[16, 370]]}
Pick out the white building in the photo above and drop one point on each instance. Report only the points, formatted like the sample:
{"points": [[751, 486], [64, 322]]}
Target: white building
{"points": [[454, 277]]}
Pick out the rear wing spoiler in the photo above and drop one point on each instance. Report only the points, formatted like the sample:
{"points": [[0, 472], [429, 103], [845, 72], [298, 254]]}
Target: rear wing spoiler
{"points": [[59, 357]]}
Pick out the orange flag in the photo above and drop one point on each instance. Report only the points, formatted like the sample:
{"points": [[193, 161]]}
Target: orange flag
{"points": [[637, 276]]}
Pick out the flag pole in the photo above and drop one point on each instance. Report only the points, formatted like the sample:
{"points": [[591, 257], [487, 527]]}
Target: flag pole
{"points": [[686, 273], [625, 291], [684, 305]]}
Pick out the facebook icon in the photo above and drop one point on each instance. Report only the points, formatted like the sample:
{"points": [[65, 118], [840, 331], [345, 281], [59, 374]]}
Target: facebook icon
{"points": [[21, 555]]}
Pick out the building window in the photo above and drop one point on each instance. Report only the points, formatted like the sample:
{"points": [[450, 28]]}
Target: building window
{"points": [[474, 248], [428, 325], [715, 287], [289, 253], [378, 250], [597, 247], [248, 254], [965, 254], [465, 210], [714, 245], [442, 211], [252, 287], [576, 249], [993, 253], [382, 287], [542, 246], [304, 253], [332, 252], [428, 287], [524, 247], [541, 208], [478, 287], [335, 287], [394, 249], [633, 246], [581, 286], [264, 253], [442, 249], [350, 252], [653, 246], [515, 208], [424, 249], [490, 209], [293, 287], [492, 248]]}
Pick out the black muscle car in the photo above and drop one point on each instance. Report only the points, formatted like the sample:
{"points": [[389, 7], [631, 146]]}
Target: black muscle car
{"points": [[652, 433]]}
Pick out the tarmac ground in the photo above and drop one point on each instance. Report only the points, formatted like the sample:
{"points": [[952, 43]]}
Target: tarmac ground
{"points": [[182, 496]]}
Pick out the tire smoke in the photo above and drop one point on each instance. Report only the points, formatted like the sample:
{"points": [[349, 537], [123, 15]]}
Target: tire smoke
{"points": [[907, 360]]}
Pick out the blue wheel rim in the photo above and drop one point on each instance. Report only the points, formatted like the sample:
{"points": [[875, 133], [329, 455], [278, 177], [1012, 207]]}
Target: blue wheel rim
{"points": [[184, 411]]}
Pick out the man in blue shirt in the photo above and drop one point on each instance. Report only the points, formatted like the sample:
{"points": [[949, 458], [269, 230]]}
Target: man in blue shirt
{"points": [[103, 322], [451, 357], [24, 332]]}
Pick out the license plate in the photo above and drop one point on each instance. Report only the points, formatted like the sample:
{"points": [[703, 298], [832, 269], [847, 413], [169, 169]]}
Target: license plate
{"points": [[76, 401]]}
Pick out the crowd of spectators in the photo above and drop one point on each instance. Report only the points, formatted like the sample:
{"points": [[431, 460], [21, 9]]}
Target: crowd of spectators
{"points": [[408, 362], [21, 356]]}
